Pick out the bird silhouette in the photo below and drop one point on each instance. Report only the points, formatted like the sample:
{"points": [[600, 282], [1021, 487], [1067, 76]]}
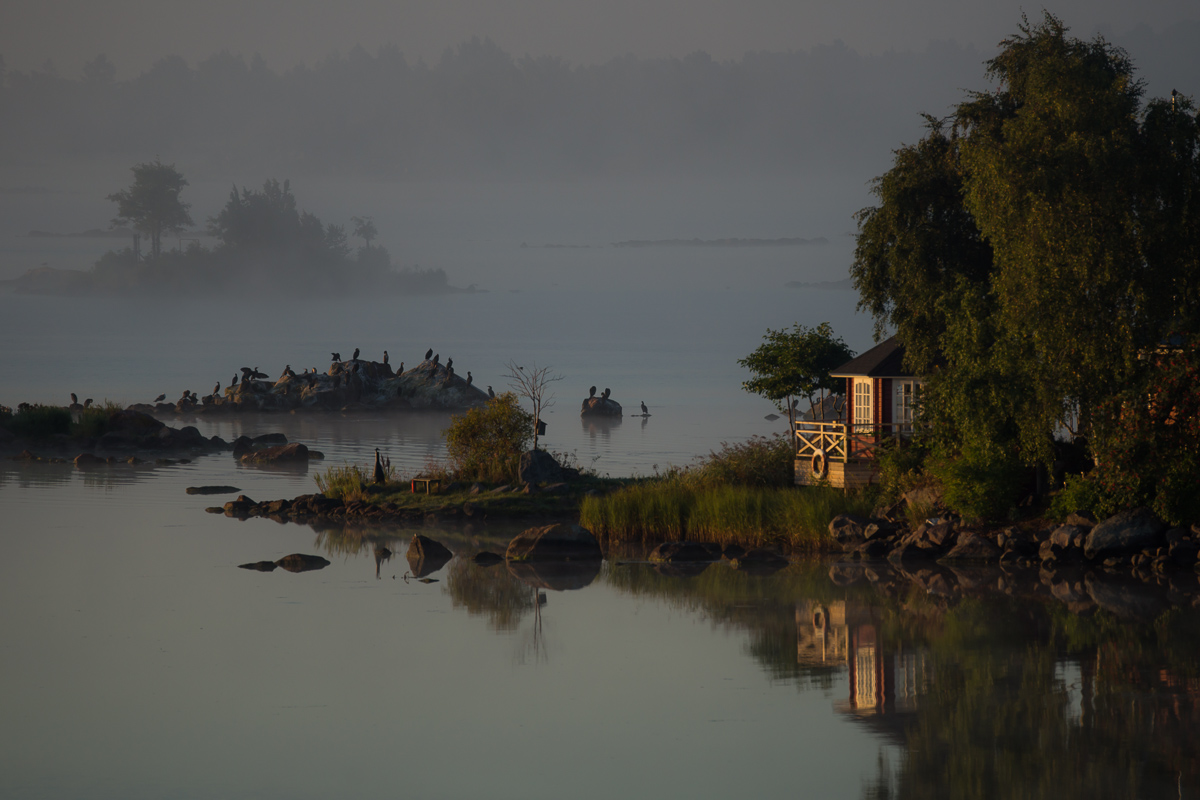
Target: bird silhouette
{"points": [[160, 398], [436, 359], [449, 363], [234, 381], [88, 403], [385, 357], [217, 388], [74, 399], [400, 369], [379, 473], [491, 394], [355, 356], [469, 378], [428, 353], [644, 409], [592, 392], [336, 356]]}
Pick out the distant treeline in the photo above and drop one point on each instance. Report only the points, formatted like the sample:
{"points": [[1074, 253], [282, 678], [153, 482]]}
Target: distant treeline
{"points": [[481, 111]]}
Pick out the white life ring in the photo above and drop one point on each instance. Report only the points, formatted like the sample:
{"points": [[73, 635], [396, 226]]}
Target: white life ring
{"points": [[820, 465]]}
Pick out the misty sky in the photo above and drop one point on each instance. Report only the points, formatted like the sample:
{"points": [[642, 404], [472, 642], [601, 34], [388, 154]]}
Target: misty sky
{"points": [[133, 33]]}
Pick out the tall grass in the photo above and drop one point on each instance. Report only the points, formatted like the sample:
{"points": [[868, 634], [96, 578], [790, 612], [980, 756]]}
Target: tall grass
{"points": [[39, 422], [676, 509], [93, 421], [347, 482]]}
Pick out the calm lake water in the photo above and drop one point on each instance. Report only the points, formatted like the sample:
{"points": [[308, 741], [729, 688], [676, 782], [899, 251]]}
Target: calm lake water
{"points": [[139, 661]]}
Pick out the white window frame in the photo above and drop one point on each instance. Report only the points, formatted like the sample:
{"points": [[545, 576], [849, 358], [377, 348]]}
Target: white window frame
{"points": [[904, 403], [864, 406]]}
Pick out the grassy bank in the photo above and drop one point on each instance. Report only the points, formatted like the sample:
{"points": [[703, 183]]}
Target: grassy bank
{"points": [[678, 509]]}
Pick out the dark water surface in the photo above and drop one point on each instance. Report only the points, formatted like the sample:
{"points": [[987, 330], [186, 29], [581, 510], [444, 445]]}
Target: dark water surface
{"points": [[139, 661]]}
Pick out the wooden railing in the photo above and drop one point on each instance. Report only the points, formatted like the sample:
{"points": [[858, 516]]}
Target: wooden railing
{"points": [[840, 441]]}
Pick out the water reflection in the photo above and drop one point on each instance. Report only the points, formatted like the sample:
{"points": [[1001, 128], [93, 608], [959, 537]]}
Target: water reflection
{"points": [[492, 592], [601, 427], [1027, 683]]}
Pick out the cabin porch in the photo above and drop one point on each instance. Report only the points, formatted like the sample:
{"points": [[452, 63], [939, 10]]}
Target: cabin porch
{"points": [[842, 455]]}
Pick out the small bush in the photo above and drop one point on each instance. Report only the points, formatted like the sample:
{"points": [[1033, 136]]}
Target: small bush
{"points": [[979, 486], [1079, 493], [93, 421], [759, 461], [347, 482], [486, 443]]}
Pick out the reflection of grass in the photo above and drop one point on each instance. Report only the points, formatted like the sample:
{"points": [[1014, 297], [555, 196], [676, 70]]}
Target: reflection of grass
{"points": [[676, 508]]}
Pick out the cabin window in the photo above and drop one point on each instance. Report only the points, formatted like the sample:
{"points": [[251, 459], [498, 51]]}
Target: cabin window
{"points": [[905, 403], [862, 401]]}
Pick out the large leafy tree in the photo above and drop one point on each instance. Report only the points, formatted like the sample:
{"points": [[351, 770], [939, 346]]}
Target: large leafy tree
{"points": [[795, 363], [151, 204], [1030, 257]]}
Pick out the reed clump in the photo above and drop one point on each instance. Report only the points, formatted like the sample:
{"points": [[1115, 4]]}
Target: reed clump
{"points": [[742, 494], [347, 482]]}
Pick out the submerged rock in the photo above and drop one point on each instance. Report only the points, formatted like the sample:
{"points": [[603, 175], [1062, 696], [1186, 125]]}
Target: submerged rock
{"points": [[557, 542], [212, 489], [288, 453], [426, 556], [682, 552], [300, 562]]}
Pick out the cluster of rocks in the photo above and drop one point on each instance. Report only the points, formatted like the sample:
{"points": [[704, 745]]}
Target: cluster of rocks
{"points": [[1134, 538], [348, 385]]}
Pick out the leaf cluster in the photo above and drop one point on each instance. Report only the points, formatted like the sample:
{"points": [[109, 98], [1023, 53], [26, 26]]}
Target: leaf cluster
{"points": [[485, 443], [795, 362]]}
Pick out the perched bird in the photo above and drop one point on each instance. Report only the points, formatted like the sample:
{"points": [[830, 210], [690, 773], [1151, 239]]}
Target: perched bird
{"points": [[604, 395], [428, 353], [380, 475], [385, 357], [74, 399], [234, 381], [491, 394], [217, 388], [247, 374], [592, 392], [336, 356], [355, 356], [88, 403], [400, 368], [644, 409], [287, 370], [258, 374], [160, 398], [449, 363], [469, 378], [436, 359]]}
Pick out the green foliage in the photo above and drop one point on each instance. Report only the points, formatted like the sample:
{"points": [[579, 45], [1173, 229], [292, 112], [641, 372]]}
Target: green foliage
{"points": [[152, 203], [346, 482], [93, 421], [980, 485], [39, 422], [901, 465], [1148, 444], [1028, 258], [1077, 494], [486, 443], [795, 363], [677, 508], [759, 461]]}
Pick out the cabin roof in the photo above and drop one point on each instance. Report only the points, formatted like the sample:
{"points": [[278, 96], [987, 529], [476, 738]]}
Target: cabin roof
{"points": [[884, 360]]}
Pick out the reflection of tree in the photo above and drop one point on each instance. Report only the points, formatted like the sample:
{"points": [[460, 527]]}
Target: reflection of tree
{"points": [[488, 591], [1011, 715]]}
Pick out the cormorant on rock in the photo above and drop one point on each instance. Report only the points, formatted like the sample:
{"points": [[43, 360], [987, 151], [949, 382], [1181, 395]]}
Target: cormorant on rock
{"points": [[428, 353], [380, 475], [336, 356], [592, 392], [436, 359], [469, 378], [400, 369], [217, 389], [491, 394], [247, 374], [355, 356], [449, 363], [234, 381], [160, 398], [385, 357], [88, 403], [287, 370], [74, 399], [645, 410], [604, 395], [258, 374]]}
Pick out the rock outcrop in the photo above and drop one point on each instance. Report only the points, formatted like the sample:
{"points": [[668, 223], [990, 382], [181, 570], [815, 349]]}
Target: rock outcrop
{"points": [[558, 542], [600, 407]]}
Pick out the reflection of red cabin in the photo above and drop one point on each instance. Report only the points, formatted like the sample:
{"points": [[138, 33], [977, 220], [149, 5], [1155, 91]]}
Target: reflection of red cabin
{"points": [[880, 402]]}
